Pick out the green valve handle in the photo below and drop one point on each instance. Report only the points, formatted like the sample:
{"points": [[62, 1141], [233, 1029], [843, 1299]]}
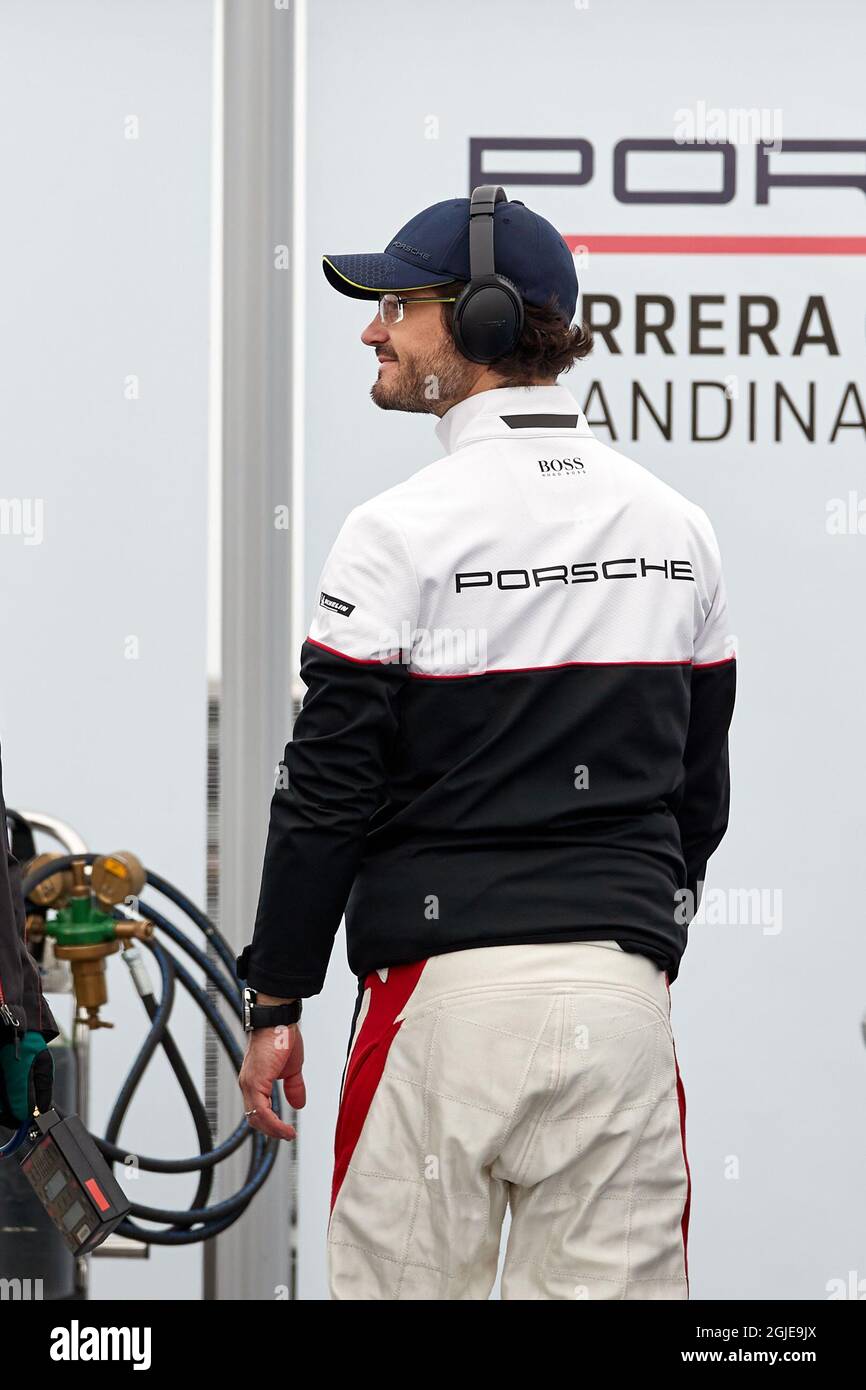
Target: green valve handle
{"points": [[81, 924]]}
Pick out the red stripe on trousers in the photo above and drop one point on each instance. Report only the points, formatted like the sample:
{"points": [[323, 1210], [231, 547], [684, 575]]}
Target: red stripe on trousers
{"points": [[681, 1100], [369, 1055]]}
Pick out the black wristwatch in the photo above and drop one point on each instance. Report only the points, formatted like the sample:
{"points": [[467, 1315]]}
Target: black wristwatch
{"points": [[267, 1015]]}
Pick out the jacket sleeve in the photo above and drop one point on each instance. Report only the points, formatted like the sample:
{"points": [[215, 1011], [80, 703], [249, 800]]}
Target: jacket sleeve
{"points": [[703, 810], [21, 994], [334, 773]]}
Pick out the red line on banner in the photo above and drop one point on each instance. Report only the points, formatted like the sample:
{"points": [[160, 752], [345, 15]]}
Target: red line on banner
{"points": [[720, 245]]}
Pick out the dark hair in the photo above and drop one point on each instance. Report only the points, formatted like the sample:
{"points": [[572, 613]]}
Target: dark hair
{"points": [[547, 345]]}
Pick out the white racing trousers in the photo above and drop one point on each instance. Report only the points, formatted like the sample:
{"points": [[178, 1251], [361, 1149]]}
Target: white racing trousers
{"points": [[542, 1078]]}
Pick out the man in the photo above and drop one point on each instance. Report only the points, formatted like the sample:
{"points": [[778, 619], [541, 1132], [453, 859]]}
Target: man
{"points": [[510, 769]]}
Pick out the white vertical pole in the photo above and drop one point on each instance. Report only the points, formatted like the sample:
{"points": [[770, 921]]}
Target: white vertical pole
{"points": [[255, 1257]]}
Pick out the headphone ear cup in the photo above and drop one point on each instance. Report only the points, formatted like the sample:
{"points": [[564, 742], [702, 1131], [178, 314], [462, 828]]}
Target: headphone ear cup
{"points": [[488, 319], [457, 319], [518, 313]]}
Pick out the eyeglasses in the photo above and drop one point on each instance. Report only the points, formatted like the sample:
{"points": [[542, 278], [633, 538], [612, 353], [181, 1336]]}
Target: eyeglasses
{"points": [[391, 305]]}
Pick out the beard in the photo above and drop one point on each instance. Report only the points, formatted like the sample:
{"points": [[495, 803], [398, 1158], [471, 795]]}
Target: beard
{"points": [[427, 384]]}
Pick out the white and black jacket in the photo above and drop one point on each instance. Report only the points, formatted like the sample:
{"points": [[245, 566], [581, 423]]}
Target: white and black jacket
{"points": [[520, 678]]}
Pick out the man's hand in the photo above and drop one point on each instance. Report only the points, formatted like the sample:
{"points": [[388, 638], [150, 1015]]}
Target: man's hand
{"points": [[273, 1053]]}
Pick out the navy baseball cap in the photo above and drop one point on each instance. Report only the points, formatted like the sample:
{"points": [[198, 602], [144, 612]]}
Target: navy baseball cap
{"points": [[433, 249]]}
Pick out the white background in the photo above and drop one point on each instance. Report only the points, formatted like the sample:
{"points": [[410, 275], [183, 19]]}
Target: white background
{"points": [[104, 243]]}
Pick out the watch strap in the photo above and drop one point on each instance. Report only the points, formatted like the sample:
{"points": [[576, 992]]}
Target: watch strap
{"points": [[274, 1015]]}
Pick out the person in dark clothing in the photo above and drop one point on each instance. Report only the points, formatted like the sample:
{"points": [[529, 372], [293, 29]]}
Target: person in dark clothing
{"points": [[27, 1024]]}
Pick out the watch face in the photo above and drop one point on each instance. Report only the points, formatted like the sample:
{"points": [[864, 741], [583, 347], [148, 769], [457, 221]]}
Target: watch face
{"points": [[249, 1000]]}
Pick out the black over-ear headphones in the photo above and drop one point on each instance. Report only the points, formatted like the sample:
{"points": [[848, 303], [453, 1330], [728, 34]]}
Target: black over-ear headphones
{"points": [[488, 316]]}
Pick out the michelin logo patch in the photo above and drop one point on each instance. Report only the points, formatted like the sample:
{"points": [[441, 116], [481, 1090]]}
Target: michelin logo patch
{"points": [[336, 605]]}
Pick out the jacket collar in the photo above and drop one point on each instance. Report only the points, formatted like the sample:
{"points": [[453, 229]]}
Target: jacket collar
{"points": [[495, 414]]}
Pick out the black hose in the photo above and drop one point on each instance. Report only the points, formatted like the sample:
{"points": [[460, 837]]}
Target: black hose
{"points": [[206, 1160], [199, 1221], [158, 1014]]}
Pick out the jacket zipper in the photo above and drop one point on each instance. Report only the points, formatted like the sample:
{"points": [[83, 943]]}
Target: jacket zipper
{"points": [[5, 1011], [8, 1017]]}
